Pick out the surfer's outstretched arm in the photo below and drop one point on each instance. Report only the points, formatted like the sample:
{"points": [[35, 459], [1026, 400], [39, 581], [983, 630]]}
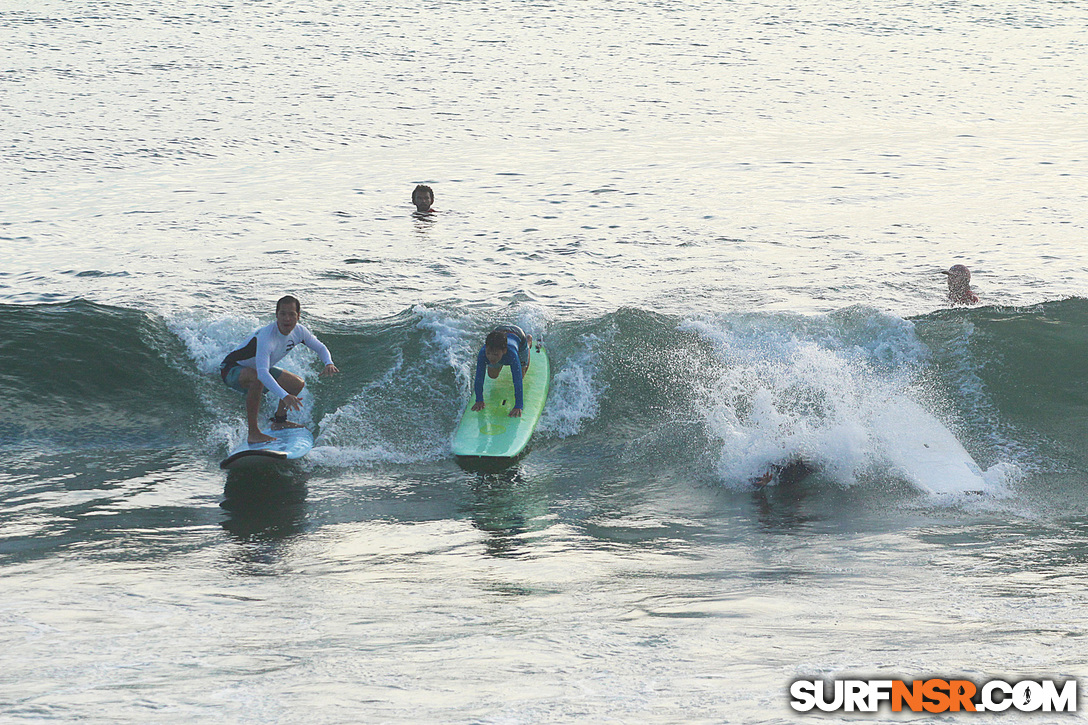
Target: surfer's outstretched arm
{"points": [[516, 374], [478, 380], [293, 384]]}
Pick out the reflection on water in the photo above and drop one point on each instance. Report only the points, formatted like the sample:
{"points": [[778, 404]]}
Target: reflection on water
{"points": [[508, 505], [423, 221], [488, 464], [265, 504], [784, 508], [780, 502]]}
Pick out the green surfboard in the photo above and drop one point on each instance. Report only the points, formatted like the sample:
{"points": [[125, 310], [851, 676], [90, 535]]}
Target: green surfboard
{"points": [[491, 432]]}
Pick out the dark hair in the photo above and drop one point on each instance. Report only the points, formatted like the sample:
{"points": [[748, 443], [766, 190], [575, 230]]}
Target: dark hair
{"points": [[286, 300], [419, 191], [496, 340]]}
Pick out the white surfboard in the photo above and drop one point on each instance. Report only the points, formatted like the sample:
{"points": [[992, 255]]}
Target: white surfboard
{"points": [[290, 444], [924, 451]]}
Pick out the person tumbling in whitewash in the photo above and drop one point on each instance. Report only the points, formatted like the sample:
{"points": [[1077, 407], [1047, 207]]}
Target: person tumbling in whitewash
{"points": [[788, 473], [248, 369], [423, 197], [959, 286]]}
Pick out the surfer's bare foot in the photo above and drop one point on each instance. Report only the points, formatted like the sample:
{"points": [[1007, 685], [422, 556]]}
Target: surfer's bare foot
{"points": [[259, 438], [278, 424]]}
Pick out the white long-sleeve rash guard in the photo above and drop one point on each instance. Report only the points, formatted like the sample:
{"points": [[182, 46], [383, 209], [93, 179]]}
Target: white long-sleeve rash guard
{"points": [[268, 346]]}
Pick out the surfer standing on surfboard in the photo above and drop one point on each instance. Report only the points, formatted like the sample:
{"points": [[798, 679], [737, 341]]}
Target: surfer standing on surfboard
{"points": [[249, 368], [505, 345], [959, 285]]}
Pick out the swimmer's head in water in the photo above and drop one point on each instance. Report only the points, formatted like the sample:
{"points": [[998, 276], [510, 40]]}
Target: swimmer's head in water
{"points": [[959, 285], [423, 197]]}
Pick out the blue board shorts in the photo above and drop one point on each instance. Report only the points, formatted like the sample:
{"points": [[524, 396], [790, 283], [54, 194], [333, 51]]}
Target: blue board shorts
{"points": [[230, 377]]}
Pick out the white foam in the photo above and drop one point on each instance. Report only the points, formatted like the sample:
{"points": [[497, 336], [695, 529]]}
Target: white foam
{"points": [[375, 427], [802, 405], [533, 319], [1001, 477], [827, 390], [575, 392], [452, 339], [209, 340]]}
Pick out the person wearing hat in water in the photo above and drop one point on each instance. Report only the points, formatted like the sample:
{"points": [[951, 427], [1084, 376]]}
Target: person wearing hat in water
{"points": [[423, 197], [959, 285]]}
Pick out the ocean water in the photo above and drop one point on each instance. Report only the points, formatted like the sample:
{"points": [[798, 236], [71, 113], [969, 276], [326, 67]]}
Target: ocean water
{"points": [[727, 222]]}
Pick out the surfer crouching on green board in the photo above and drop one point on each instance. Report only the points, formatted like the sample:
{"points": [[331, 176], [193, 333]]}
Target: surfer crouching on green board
{"points": [[505, 345], [249, 368]]}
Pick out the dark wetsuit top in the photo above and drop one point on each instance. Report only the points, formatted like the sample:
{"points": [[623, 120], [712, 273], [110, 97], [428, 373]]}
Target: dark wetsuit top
{"points": [[517, 350]]}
